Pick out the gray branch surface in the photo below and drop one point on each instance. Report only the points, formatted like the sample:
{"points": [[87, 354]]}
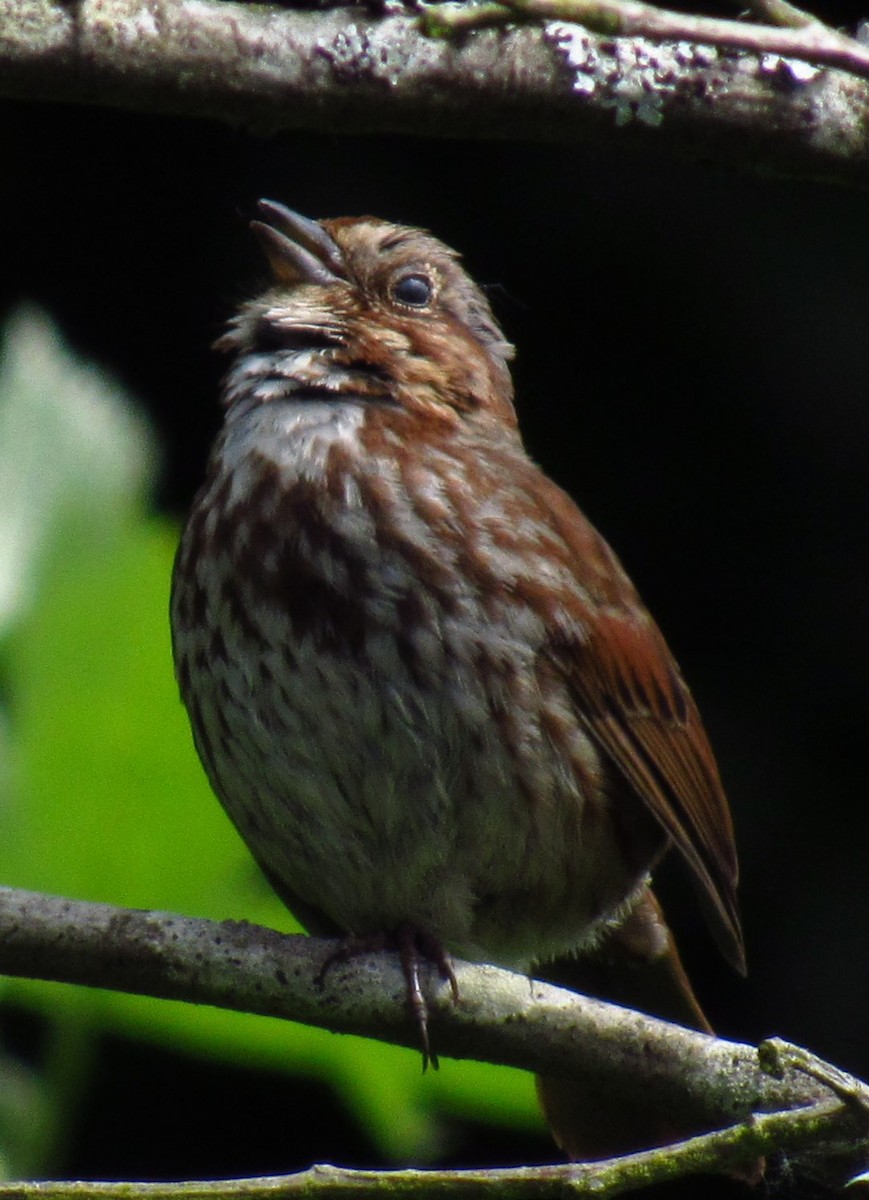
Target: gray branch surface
{"points": [[500, 1017], [343, 70]]}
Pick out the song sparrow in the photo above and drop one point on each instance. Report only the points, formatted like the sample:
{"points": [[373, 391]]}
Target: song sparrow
{"points": [[420, 682]]}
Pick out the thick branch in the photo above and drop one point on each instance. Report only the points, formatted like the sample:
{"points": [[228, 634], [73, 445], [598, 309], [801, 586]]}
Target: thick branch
{"points": [[343, 70], [500, 1016]]}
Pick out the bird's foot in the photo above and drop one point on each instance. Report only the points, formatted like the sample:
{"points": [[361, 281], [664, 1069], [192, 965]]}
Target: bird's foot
{"points": [[414, 948]]}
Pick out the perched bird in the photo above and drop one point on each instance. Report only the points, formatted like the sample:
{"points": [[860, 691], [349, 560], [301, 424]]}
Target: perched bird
{"points": [[420, 682]]}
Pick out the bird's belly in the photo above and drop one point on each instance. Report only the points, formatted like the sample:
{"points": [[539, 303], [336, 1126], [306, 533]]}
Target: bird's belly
{"points": [[377, 801]]}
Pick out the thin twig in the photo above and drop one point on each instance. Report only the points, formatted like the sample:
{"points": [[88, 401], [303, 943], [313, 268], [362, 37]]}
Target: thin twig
{"points": [[810, 41], [791, 1131], [783, 13]]}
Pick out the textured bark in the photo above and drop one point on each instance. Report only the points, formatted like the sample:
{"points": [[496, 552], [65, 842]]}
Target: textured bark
{"points": [[501, 1016], [346, 71]]}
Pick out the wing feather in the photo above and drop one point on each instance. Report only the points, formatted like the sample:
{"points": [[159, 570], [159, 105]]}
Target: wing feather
{"points": [[632, 700]]}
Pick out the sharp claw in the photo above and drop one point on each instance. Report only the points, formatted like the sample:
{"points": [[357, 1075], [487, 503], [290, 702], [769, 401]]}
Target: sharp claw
{"points": [[414, 948], [409, 956]]}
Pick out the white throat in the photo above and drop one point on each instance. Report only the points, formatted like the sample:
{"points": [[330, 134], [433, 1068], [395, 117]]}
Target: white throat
{"points": [[269, 416]]}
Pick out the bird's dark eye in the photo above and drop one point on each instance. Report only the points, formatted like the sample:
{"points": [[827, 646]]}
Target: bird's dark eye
{"points": [[413, 290]]}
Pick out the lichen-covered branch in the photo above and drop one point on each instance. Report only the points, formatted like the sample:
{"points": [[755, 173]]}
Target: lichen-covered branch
{"points": [[499, 1017], [760, 96], [799, 37]]}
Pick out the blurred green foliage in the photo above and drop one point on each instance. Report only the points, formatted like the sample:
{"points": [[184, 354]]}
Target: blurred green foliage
{"points": [[101, 795]]}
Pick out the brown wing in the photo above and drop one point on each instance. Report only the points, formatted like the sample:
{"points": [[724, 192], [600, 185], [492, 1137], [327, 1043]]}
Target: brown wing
{"points": [[631, 698]]}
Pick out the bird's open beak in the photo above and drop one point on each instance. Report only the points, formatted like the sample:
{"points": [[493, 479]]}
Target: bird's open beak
{"points": [[299, 250]]}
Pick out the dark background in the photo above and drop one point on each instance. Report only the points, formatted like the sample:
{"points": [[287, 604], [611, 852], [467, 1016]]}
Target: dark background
{"points": [[693, 366]]}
